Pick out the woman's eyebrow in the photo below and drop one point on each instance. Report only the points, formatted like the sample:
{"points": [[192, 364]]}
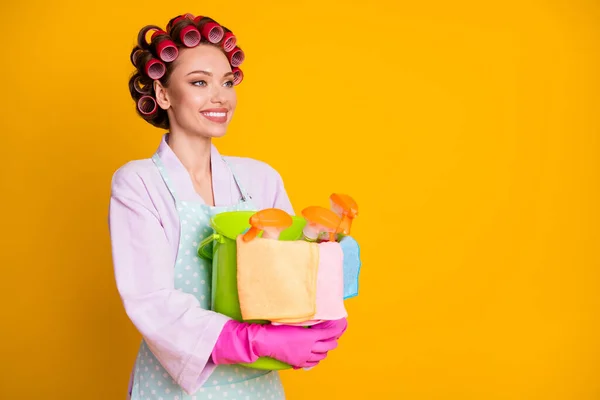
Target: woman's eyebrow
{"points": [[199, 71]]}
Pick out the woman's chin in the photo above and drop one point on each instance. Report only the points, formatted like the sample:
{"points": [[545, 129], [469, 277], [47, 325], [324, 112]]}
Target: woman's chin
{"points": [[216, 133], [212, 133]]}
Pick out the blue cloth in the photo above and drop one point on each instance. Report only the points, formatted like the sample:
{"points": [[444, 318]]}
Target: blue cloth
{"points": [[352, 264]]}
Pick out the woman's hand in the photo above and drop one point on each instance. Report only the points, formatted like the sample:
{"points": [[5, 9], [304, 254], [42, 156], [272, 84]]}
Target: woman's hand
{"points": [[297, 346]]}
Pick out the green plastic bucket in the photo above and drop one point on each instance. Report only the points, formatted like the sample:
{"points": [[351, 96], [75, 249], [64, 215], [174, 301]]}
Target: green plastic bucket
{"points": [[221, 248]]}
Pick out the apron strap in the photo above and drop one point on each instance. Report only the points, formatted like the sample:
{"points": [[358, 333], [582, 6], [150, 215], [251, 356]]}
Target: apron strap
{"points": [[163, 173], [245, 195]]}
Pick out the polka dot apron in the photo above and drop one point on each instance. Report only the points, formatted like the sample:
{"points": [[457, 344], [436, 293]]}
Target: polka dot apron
{"points": [[193, 275]]}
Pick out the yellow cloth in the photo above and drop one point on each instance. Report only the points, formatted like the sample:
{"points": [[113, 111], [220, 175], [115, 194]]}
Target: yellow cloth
{"points": [[277, 279]]}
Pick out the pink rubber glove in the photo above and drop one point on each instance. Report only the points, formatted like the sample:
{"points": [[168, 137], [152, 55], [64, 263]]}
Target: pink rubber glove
{"points": [[240, 342]]}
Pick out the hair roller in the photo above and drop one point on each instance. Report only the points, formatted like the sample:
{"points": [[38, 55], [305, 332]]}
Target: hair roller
{"points": [[236, 57], [190, 36], [189, 17], [238, 76], [155, 69], [164, 47], [212, 31], [140, 86], [147, 105], [175, 21], [135, 55], [229, 42], [143, 39]]}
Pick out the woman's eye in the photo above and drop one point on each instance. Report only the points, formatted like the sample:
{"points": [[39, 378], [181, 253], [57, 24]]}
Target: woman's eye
{"points": [[199, 83], [228, 84]]}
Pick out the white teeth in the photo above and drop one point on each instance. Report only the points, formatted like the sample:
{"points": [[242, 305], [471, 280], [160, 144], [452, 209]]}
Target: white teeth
{"points": [[214, 114]]}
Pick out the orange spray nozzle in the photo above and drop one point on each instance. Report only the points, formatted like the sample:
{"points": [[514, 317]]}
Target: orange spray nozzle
{"points": [[318, 220], [271, 221], [346, 208]]}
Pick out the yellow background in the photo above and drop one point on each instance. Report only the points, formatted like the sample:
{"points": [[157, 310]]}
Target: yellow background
{"points": [[467, 131]]}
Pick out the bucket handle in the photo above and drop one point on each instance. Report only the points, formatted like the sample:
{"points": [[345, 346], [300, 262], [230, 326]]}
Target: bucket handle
{"points": [[204, 248]]}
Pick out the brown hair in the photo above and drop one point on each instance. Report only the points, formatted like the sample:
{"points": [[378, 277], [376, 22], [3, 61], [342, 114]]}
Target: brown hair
{"points": [[141, 86]]}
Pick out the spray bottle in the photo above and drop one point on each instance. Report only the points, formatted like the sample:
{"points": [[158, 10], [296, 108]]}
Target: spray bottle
{"points": [[271, 221]]}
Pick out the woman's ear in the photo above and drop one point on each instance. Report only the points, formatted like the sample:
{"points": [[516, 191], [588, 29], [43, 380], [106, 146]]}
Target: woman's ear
{"points": [[162, 97]]}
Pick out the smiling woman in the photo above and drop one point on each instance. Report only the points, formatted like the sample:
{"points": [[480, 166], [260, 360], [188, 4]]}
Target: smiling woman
{"points": [[200, 100], [192, 52], [160, 210]]}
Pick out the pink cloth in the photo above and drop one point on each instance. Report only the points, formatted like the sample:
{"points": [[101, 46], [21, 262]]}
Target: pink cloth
{"points": [[330, 286], [144, 230]]}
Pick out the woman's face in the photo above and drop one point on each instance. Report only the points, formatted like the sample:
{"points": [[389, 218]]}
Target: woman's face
{"points": [[200, 98]]}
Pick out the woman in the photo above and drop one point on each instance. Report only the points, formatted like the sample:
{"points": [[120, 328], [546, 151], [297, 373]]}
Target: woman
{"points": [[160, 209]]}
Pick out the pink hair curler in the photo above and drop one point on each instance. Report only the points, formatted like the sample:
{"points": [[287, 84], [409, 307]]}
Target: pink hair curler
{"points": [[140, 87], [165, 48], [155, 69], [135, 55], [147, 105], [190, 36], [177, 20], [213, 32], [229, 42], [146, 34], [170, 24], [236, 57], [238, 76]]}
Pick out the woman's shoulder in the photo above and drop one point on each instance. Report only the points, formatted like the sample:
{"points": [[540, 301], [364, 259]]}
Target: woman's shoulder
{"points": [[134, 176], [134, 169]]}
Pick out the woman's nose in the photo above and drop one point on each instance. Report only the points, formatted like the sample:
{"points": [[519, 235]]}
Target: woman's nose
{"points": [[217, 94]]}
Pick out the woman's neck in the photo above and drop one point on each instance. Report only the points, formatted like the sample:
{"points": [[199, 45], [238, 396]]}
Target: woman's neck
{"points": [[194, 153]]}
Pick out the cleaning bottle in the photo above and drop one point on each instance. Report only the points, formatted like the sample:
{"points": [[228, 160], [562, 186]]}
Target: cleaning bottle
{"points": [[320, 221], [271, 221], [346, 208]]}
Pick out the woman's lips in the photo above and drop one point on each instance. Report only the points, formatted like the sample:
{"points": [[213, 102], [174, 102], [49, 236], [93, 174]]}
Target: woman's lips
{"points": [[218, 115]]}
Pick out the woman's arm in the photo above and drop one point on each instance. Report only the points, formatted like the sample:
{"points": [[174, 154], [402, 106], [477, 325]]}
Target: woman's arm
{"points": [[179, 332]]}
